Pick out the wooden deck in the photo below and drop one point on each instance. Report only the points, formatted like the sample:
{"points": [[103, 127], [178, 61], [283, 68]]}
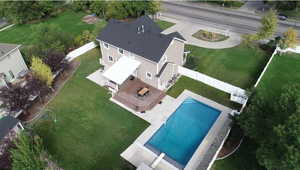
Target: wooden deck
{"points": [[128, 95]]}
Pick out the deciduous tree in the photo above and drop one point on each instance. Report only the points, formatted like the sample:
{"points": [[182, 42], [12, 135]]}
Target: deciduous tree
{"points": [[289, 39], [42, 71], [275, 126]]}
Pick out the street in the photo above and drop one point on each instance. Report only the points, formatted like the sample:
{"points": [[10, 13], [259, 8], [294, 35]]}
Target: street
{"points": [[235, 21]]}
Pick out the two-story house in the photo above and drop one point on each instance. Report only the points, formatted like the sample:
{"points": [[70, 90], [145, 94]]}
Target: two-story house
{"points": [[12, 64], [138, 48]]}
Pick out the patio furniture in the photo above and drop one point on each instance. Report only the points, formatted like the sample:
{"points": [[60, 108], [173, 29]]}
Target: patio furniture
{"points": [[143, 91]]}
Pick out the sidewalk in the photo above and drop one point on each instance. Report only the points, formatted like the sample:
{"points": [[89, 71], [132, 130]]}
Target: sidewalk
{"points": [[187, 29]]}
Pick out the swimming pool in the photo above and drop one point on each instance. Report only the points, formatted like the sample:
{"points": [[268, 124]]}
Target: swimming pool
{"points": [[185, 129]]}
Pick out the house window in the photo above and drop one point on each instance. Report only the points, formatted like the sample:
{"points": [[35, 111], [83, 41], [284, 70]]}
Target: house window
{"points": [[110, 59], [106, 45], [148, 75], [121, 51], [11, 74]]}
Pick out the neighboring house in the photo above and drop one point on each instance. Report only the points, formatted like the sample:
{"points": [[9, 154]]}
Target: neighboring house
{"points": [[139, 49], [12, 64], [9, 128]]}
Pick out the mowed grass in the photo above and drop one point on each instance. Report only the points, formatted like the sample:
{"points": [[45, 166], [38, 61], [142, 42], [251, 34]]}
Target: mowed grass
{"points": [[202, 89], [164, 24], [240, 65], [91, 132], [283, 70], [69, 21]]}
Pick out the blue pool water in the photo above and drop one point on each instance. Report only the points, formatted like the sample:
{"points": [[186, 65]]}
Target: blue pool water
{"points": [[180, 136]]}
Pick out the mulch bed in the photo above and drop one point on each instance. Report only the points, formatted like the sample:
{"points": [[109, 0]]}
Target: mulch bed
{"points": [[40, 104], [90, 19], [231, 143]]}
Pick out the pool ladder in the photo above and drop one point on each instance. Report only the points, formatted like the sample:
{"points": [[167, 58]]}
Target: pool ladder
{"points": [[157, 160]]}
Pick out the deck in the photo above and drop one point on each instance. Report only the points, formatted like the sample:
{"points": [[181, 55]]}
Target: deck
{"points": [[127, 95]]}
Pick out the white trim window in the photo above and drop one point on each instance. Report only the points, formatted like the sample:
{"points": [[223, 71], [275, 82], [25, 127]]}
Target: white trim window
{"points": [[105, 45], [121, 51], [110, 59], [148, 75]]}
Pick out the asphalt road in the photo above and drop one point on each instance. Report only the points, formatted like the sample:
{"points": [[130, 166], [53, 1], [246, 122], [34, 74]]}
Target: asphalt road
{"points": [[235, 21]]}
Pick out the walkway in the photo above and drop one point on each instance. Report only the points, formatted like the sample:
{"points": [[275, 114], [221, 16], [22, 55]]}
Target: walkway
{"points": [[187, 29]]}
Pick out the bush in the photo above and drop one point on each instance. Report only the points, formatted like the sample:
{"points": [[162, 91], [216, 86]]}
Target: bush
{"points": [[28, 153], [84, 38], [56, 61], [52, 38], [41, 71], [191, 62]]}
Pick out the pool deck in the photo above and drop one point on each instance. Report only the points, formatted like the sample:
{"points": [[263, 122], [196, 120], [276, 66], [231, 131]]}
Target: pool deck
{"points": [[138, 154]]}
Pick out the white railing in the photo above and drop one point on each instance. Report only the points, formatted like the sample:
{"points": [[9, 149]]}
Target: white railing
{"points": [[81, 50], [218, 84]]}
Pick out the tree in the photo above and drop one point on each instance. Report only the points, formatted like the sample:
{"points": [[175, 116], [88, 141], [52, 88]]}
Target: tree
{"points": [[14, 97], [36, 87], [52, 38], [285, 5], [28, 153], [289, 39], [124, 9], [41, 71], [99, 8], [56, 61], [23, 11], [275, 126], [269, 25]]}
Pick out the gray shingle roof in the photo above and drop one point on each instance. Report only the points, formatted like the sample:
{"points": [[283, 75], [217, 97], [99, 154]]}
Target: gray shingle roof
{"points": [[6, 124], [150, 44], [5, 48]]}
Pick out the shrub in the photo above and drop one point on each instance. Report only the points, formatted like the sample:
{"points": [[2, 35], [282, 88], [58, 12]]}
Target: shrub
{"points": [[28, 153], [84, 38], [41, 71]]}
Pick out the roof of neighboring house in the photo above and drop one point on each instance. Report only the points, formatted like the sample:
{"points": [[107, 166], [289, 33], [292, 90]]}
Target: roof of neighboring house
{"points": [[150, 43], [6, 124], [5, 48]]}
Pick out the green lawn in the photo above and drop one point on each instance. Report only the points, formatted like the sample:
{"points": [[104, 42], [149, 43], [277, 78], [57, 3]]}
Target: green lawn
{"points": [[284, 69], [164, 24], [90, 132], [69, 21], [239, 65], [202, 89]]}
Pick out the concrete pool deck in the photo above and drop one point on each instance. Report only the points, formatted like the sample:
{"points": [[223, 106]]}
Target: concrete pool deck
{"points": [[138, 154]]}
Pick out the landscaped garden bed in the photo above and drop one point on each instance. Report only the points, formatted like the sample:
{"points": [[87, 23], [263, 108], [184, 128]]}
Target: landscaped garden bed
{"points": [[85, 130], [210, 36]]}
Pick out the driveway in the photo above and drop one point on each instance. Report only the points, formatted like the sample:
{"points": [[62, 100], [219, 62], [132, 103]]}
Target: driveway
{"points": [[187, 29]]}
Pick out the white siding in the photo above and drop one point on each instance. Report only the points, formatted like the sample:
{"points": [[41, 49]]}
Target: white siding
{"points": [[12, 62]]}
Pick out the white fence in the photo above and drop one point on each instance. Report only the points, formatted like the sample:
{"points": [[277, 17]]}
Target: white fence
{"points": [[81, 50], [223, 86]]}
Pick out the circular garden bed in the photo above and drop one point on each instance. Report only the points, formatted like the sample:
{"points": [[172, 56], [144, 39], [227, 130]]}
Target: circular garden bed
{"points": [[210, 36]]}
